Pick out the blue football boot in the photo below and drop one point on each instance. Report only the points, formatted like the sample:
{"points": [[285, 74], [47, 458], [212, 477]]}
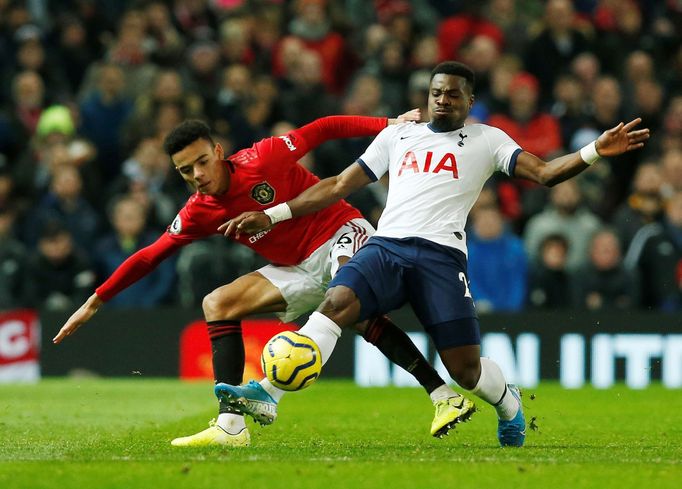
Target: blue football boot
{"points": [[512, 432], [250, 399]]}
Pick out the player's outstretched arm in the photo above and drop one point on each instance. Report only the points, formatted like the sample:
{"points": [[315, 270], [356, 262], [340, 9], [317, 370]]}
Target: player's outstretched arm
{"points": [[79, 318], [613, 142], [323, 194], [130, 271]]}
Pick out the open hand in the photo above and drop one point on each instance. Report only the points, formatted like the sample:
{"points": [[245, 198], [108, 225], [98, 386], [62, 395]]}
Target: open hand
{"points": [[78, 318], [621, 138]]}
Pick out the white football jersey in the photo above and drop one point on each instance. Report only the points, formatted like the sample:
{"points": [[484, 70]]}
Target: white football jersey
{"points": [[435, 177]]}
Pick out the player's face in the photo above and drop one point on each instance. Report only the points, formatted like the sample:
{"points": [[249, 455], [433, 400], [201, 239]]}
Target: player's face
{"points": [[201, 165], [450, 101]]}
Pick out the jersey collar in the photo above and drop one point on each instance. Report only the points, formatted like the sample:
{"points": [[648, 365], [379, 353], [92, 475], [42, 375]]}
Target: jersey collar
{"points": [[433, 129]]}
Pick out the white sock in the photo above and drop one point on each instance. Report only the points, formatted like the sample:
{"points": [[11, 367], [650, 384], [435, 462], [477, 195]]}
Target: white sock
{"points": [[322, 331], [275, 392], [231, 422], [441, 393], [492, 388]]}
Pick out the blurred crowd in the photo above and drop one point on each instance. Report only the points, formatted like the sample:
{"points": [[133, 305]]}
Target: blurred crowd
{"points": [[89, 89]]}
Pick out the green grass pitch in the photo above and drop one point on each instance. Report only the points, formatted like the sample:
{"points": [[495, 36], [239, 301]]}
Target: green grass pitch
{"points": [[115, 434]]}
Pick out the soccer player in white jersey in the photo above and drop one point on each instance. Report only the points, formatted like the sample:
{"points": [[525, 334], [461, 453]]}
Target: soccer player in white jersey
{"points": [[418, 254]]}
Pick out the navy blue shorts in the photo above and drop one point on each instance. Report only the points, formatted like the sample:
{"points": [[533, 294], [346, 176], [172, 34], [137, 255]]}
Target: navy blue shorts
{"points": [[386, 273]]}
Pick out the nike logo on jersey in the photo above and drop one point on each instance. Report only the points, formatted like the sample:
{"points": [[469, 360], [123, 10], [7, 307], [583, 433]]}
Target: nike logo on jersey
{"points": [[404, 137]]}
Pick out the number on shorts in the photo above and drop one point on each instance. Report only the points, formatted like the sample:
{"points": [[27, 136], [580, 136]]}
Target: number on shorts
{"points": [[464, 280]]}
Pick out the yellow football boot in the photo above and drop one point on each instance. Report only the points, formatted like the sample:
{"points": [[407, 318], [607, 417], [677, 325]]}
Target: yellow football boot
{"points": [[214, 435], [449, 412]]}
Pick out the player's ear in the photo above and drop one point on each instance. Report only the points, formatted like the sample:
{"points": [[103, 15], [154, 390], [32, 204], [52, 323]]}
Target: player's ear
{"points": [[218, 150]]}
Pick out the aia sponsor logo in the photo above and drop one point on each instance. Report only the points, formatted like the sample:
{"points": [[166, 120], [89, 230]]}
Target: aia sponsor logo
{"points": [[427, 164]]}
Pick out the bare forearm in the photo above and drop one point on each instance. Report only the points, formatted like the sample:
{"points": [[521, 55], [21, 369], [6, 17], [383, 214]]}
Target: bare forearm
{"points": [[562, 168], [323, 194]]}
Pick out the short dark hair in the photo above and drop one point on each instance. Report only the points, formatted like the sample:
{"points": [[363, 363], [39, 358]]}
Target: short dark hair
{"points": [[458, 69], [185, 134]]}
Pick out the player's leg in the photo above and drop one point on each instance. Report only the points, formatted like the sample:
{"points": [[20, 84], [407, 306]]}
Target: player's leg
{"points": [[392, 341], [484, 378], [302, 292], [223, 310], [339, 307], [449, 317], [450, 407]]}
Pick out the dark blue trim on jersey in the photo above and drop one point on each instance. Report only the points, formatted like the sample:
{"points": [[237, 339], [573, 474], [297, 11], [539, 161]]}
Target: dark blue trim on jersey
{"points": [[433, 129], [366, 169], [512, 162]]}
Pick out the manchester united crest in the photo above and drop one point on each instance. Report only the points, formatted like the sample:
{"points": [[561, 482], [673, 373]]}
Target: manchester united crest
{"points": [[263, 193]]}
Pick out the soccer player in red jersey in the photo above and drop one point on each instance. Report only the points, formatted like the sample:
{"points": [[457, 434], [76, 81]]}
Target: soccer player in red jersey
{"points": [[305, 253]]}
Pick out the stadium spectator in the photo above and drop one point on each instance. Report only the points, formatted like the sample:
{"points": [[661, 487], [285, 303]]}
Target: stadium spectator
{"points": [[456, 30], [166, 42], [147, 177], [567, 217], [130, 234], [569, 107], [104, 112], [28, 102], [304, 98], [550, 283], [656, 255], [497, 263], [60, 275], [311, 24], [31, 55], [65, 202], [604, 283], [555, 47], [643, 206], [671, 163], [13, 261], [532, 128], [671, 137], [75, 52]]}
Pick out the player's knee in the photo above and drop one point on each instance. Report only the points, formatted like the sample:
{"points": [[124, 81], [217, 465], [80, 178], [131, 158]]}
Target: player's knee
{"points": [[466, 373], [341, 305], [219, 305]]}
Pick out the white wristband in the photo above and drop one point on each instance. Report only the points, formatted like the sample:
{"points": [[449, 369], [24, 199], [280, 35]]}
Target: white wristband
{"points": [[280, 212], [589, 153]]}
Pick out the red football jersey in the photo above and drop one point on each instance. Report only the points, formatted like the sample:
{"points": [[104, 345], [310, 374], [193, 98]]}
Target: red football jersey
{"points": [[262, 176]]}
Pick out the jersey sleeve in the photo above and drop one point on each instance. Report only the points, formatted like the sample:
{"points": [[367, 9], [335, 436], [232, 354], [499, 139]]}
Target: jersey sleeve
{"points": [[291, 147], [137, 266], [375, 160], [503, 149]]}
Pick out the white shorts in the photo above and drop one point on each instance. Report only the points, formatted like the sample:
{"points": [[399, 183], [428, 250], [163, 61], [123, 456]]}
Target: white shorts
{"points": [[303, 286]]}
